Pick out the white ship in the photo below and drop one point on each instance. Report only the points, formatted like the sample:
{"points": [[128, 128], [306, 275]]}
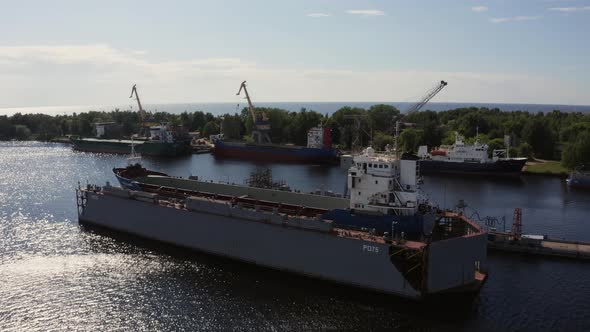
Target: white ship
{"points": [[468, 159]]}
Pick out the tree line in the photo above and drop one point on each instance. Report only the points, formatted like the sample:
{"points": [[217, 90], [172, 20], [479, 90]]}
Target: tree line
{"points": [[554, 135]]}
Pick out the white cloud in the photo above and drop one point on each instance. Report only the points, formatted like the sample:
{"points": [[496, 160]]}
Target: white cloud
{"points": [[74, 75], [479, 9], [366, 12], [514, 19], [66, 54], [570, 9], [318, 15]]}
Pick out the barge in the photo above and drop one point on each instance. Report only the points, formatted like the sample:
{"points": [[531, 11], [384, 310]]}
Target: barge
{"points": [[381, 238]]}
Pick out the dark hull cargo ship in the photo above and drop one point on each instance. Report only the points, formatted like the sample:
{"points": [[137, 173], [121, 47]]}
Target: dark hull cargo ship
{"points": [[318, 150]]}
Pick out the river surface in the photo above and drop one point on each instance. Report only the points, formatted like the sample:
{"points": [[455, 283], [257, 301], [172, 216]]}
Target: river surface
{"points": [[55, 275]]}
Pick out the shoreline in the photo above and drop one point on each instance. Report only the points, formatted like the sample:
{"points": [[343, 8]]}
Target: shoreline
{"points": [[550, 168]]}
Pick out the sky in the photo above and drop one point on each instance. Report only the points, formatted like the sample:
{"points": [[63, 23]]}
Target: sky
{"points": [[62, 52]]}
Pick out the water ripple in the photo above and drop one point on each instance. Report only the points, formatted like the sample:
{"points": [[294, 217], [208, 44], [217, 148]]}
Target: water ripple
{"points": [[55, 275]]}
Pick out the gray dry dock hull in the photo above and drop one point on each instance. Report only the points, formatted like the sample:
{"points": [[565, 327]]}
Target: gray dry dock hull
{"points": [[320, 255]]}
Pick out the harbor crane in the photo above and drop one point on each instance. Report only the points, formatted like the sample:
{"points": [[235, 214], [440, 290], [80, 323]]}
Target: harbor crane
{"points": [[134, 92], [143, 116], [261, 125], [413, 109]]}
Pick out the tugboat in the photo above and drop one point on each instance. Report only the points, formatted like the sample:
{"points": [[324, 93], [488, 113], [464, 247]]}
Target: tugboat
{"points": [[462, 158]]}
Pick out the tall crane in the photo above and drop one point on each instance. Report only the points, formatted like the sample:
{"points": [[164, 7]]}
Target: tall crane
{"points": [[261, 125], [134, 92], [416, 107], [413, 109]]}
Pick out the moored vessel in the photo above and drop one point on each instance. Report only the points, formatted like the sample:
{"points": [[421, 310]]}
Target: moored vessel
{"points": [[462, 158], [162, 142], [321, 152], [318, 150], [382, 237]]}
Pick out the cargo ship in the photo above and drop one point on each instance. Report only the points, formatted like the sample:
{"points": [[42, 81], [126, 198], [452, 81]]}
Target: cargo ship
{"points": [[318, 150], [461, 158], [579, 178], [161, 143], [381, 238], [158, 140]]}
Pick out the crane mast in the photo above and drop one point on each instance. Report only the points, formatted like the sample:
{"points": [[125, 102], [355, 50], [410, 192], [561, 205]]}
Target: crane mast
{"points": [[413, 109], [250, 106], [141, 111], [416, 107], [260, 126]]}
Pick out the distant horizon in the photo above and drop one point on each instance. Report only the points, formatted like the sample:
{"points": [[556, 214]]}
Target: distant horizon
{"points": [[294, 106], [295, 102]]}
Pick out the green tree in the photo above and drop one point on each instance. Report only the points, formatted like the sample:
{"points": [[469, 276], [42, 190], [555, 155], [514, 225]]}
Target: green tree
{"points": [[6, 129], [232, 126], [525, 150], [381, 140], [495, 144], [347, 129], [577, 153], [210, 128], [22, 132], [382, 117], [541, 137], [409, 140]]}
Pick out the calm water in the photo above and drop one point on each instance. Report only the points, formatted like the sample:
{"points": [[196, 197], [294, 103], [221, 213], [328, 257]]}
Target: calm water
{"points": [[54, 275]]}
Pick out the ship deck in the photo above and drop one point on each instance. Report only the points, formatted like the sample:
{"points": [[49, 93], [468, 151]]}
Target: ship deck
{"points": [[174, 199], [108, 140]]}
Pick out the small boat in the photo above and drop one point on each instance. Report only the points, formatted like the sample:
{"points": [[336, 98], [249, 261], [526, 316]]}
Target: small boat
{"points": [[579, 178]]}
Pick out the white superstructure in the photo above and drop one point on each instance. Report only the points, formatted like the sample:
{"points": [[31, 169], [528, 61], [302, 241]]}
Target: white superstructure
{"points": [[161, 133], [381, 183], [460, 152], [315, 137]]}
